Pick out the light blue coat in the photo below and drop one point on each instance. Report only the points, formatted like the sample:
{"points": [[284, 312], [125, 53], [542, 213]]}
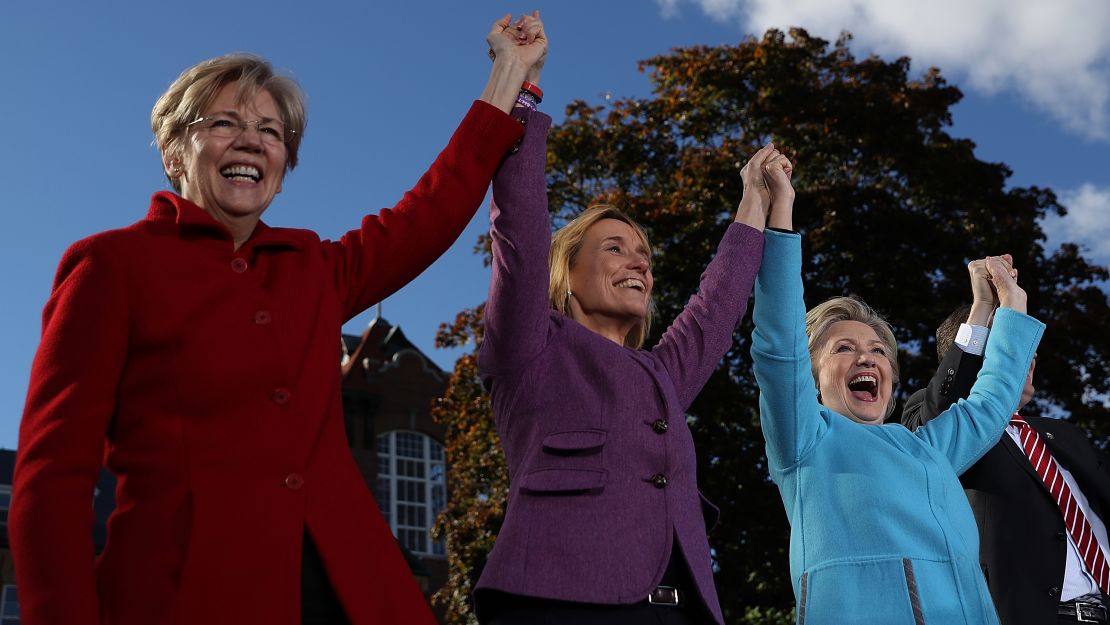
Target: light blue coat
{"points": [[881, 531]]}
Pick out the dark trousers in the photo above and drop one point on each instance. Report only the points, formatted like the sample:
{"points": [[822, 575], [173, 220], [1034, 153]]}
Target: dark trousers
{"points": [[319, 603], [510, 609], [545, 612]]}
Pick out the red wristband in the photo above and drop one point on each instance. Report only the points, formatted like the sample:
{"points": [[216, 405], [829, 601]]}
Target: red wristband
{"points": [[533, 89]]}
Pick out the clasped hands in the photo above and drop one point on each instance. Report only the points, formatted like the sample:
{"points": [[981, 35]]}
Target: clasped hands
{"points": [[994, 284], [768, 198], [523, 41]]}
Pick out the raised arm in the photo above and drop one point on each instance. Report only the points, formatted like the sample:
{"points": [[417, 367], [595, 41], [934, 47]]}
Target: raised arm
{"points": [[396, 245], [960, 363], [694, 344], [788, 408], [971, 426], [520, 237], [518, 51]]}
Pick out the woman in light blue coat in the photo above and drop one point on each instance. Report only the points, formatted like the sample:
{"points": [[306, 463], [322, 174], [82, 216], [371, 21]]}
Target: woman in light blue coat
{"points": [[881, 531]]}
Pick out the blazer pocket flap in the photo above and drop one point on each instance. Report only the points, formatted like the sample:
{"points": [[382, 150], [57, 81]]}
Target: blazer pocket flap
{"points": [[563, 480], [574, 441]]}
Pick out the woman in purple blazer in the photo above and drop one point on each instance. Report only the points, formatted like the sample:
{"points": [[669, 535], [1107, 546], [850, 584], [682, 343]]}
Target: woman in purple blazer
{"points": [[604, 521]]}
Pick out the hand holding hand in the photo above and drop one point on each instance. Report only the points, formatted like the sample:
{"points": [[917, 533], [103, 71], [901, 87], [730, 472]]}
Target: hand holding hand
{"points": [[524, 41], [755, 184], [777, 171], [1003, 279], [984, 298], [518, 52]]}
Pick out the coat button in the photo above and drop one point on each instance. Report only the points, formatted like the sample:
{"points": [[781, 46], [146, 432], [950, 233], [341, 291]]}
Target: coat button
{"points": [[294, 481], [659, 480], [1054, 591], [281, 396], [262, 317], [1049, 435], [659, 425], [1060, 536], [239, 265]]}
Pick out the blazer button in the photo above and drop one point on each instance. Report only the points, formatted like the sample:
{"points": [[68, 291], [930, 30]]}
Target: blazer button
{"points": [[239, 265], [660, 426], [1049, 435], [659, 480], [262, 317], [1054, 591], [1060, 536], [281, 396], [294, 481]]}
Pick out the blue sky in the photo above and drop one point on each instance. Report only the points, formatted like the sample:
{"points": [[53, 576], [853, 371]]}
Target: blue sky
{"points": [[387, 83]]}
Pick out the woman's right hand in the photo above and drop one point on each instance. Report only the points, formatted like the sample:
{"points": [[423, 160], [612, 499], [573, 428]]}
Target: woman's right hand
{"points": [[1003, 278], [777, 171], [518, 52], [524, 41], [755, 203], [984, 299]]}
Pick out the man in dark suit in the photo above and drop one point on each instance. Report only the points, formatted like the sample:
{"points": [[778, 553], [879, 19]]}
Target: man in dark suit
{"points": [[1027, 549]]}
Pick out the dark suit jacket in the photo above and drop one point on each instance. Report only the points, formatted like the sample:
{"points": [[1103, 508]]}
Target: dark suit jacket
{"points": [[1022, 538]]}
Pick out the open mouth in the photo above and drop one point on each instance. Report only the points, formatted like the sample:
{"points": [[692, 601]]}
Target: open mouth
{"points": [[632, 283], [864, 387], [241, 173]]}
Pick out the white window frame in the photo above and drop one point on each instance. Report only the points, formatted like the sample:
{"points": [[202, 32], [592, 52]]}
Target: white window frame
{"points": [[432, 486]]}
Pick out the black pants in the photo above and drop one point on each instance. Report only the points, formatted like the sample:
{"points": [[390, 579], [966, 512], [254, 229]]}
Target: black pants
{"points": [[319, 604], [534, 611], [510, 609]]}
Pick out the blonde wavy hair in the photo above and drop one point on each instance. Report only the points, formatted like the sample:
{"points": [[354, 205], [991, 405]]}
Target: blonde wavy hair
{"points": [[194, 90], [564, 247]]}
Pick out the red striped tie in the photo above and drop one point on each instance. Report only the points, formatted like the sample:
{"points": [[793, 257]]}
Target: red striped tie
{"points": [[1074, 519]]}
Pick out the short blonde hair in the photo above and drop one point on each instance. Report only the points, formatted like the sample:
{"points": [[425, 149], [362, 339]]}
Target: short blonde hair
{"points": [[821, 317], [564, 247], [194, 90]]}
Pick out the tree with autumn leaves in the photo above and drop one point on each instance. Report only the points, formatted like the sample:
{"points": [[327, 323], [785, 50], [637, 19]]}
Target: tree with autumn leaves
{"points": [[891, 207]]}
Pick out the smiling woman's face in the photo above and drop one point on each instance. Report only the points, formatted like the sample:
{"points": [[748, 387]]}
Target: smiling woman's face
{"points": [[237, 176], [855, 376], [610, 276]]}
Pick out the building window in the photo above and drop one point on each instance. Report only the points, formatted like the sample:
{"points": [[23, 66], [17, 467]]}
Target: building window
{"points": [[9, 606], [411, 488]]}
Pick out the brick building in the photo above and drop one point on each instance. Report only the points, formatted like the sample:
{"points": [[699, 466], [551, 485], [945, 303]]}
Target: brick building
{"points": [[388, 389]]}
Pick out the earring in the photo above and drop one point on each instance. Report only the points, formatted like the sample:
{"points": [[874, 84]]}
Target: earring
{"points": [[569, 294]]}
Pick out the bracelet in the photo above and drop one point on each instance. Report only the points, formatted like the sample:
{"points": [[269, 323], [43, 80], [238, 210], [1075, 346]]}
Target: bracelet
{"points": [[526, 99], [534, 90]]}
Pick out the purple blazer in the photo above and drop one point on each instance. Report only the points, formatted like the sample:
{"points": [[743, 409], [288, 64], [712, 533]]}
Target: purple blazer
{"points": [[601, 461]]}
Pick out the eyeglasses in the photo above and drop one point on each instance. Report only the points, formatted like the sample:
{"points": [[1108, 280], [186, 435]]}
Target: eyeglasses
{"points": [[271, 131]]}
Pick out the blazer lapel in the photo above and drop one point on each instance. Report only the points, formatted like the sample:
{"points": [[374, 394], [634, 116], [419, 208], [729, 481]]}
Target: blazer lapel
{"points": [[1022, 460]]}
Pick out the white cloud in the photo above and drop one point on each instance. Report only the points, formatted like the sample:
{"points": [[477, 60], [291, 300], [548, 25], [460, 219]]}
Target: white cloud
{"points": [[669, 8], [1087, 222], [1055, 53]]}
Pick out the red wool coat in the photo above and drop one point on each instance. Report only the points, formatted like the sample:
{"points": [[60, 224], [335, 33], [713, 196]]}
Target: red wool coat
{"points": [[207, 380]]}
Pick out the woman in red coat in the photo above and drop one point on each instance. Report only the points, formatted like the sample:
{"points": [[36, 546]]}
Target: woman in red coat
{"points": [[195, 354]]}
